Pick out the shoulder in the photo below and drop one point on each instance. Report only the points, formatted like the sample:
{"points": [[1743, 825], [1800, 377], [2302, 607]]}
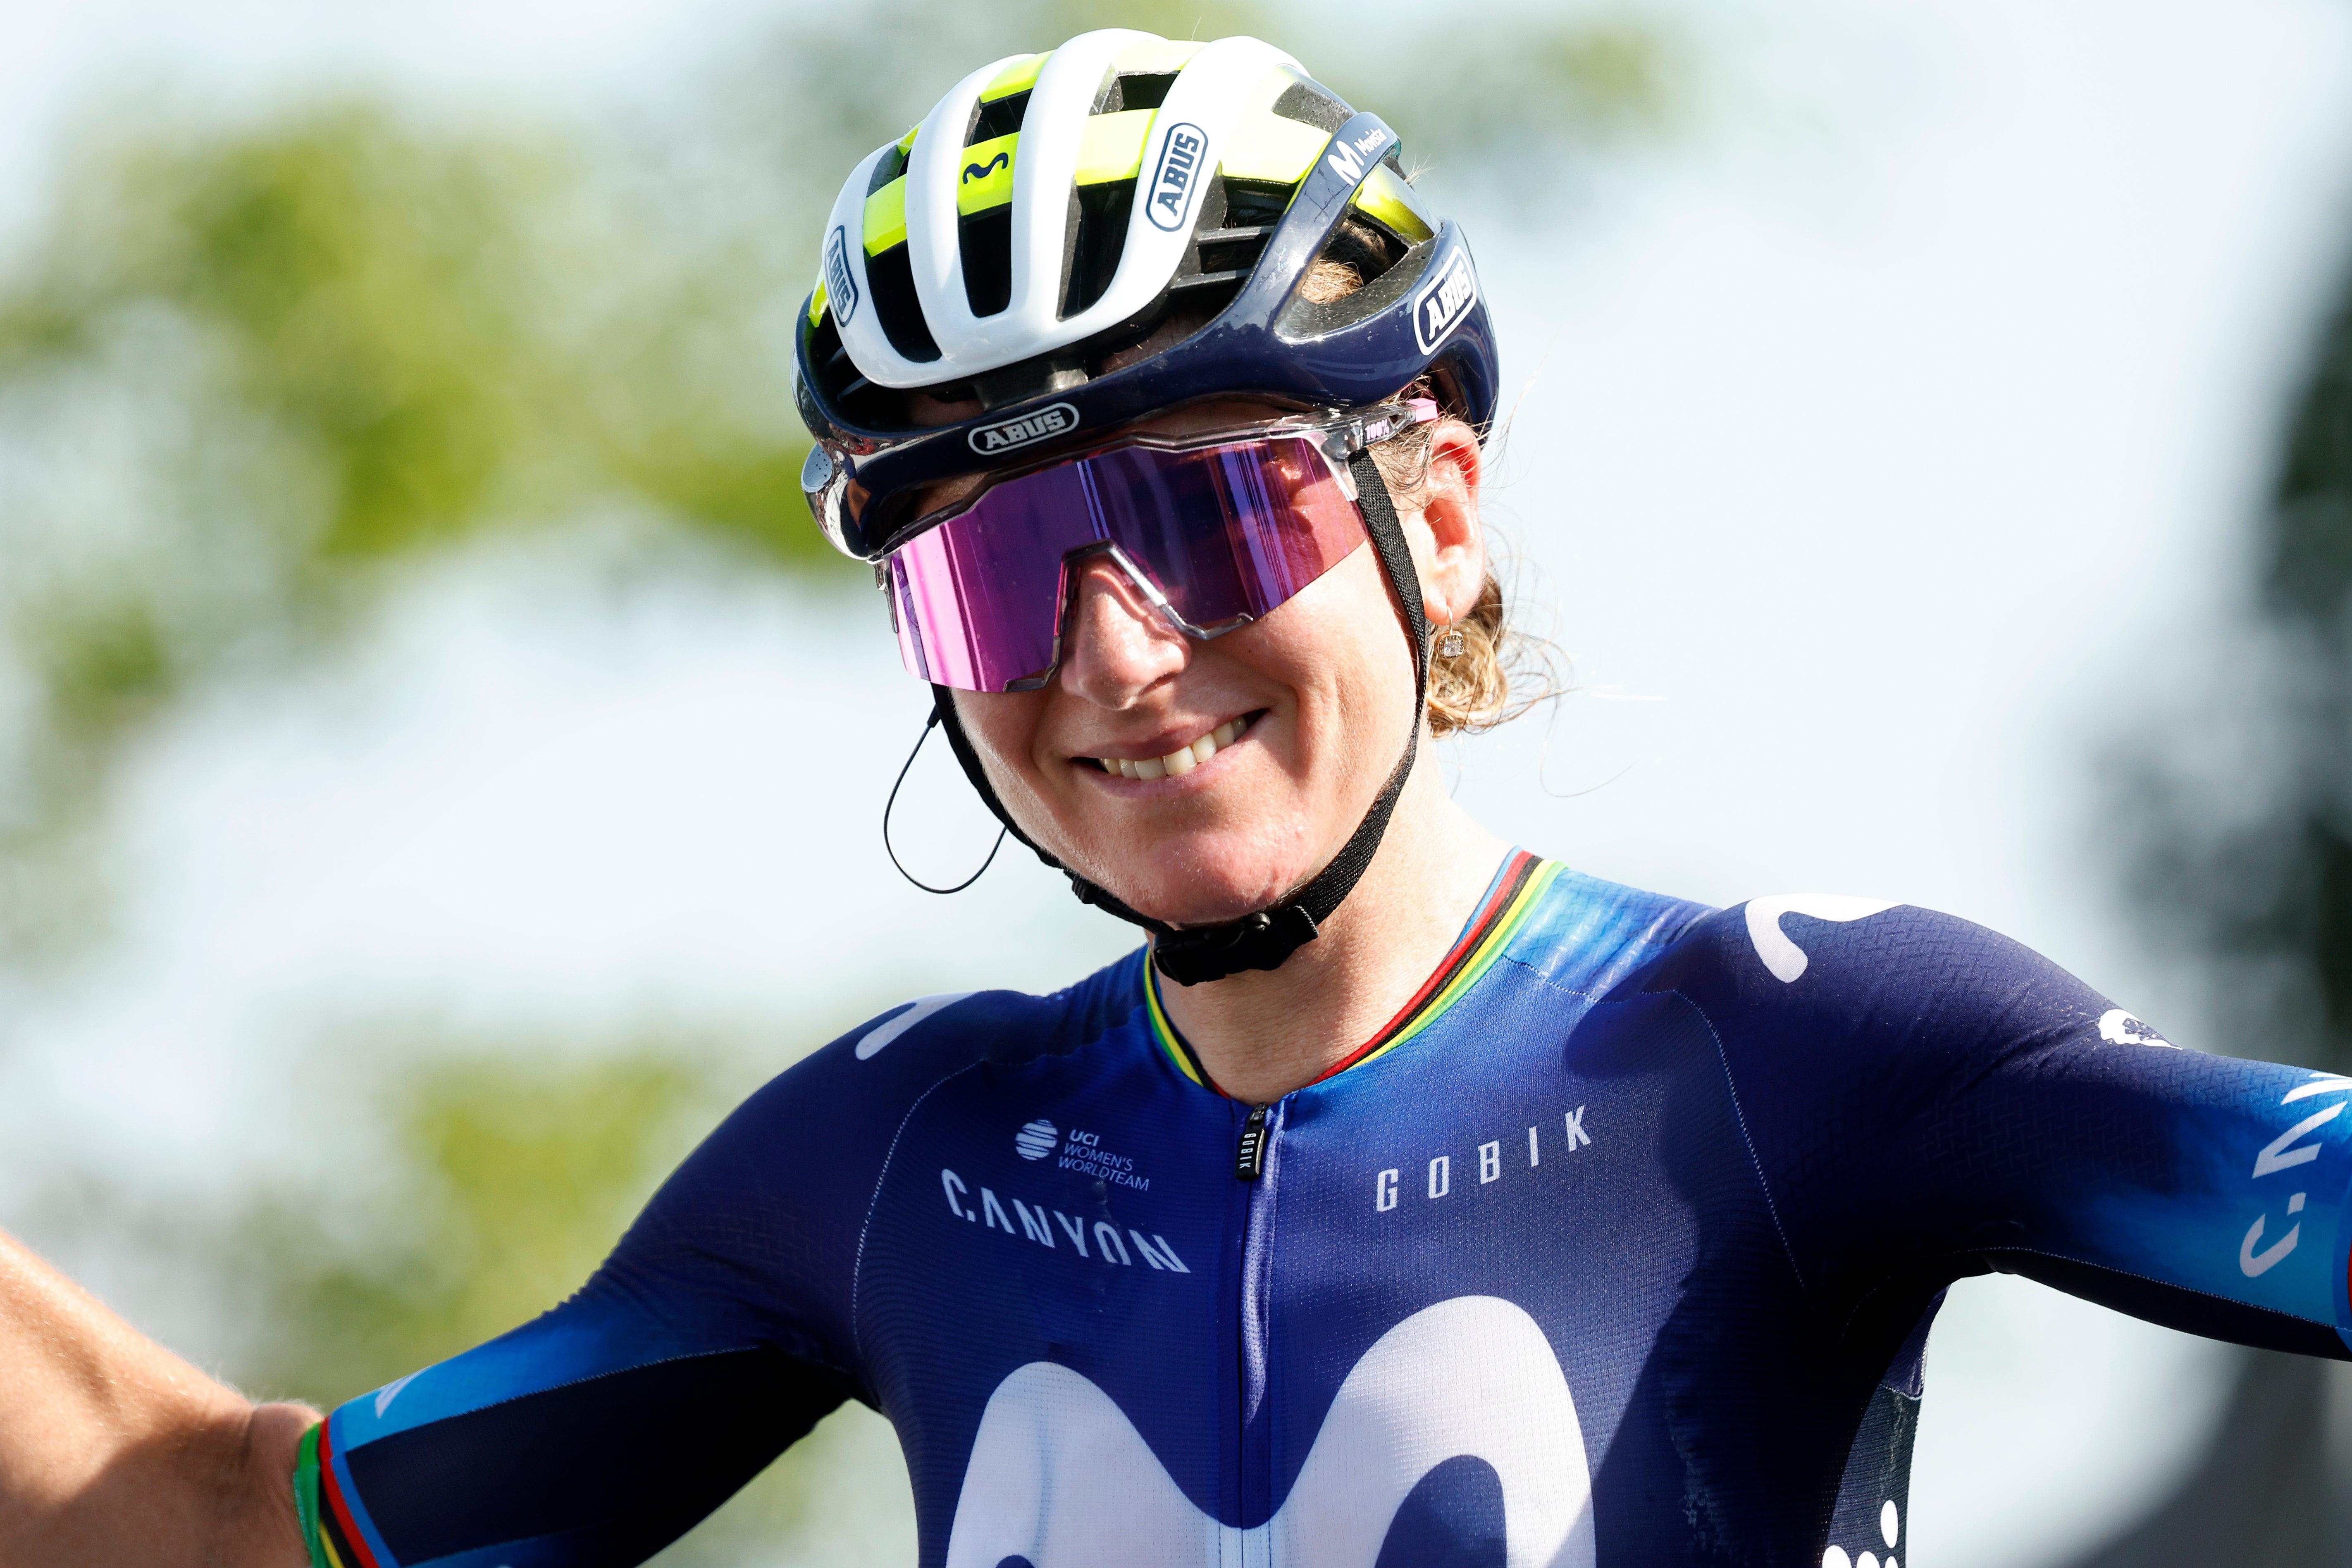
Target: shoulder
{"points": [[785, 1180], [941, 1033], [877, 1069], [1586, 934], [1826, 966]]}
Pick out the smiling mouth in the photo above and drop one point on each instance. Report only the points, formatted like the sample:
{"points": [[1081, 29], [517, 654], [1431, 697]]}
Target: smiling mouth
{"points": [[1185, 758]]}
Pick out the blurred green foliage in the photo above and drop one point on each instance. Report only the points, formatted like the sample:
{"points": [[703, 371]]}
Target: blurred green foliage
{"points": [[250, 372], [2233, 816], [508, 1173], [495, 1179], [2237, 817]]}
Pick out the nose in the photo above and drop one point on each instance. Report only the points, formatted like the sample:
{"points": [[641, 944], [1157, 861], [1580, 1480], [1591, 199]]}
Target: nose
{"points": [[1116, 646]]}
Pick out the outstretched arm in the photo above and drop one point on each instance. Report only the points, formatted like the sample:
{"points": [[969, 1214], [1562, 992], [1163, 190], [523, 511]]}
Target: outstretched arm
{"points": [[113, 1450], [1929, 1099]]}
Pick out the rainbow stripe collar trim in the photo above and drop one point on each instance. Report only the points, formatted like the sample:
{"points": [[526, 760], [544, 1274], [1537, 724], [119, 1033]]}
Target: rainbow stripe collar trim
{"points": [[1516, 890]]}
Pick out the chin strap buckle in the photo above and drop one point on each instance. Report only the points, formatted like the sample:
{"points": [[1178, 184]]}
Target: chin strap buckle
{"points": [[1259, 941]]}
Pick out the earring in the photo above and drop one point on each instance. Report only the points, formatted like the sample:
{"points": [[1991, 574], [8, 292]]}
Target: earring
{"points": [[1450, 645]]}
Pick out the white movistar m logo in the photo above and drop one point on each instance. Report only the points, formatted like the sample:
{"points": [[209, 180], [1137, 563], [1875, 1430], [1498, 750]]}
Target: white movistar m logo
{"points": [[1060, 1477], [1347, 159]]}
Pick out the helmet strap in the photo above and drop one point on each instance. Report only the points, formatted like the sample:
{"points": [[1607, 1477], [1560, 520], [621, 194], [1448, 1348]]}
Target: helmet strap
{"points": [[1265, 938]]}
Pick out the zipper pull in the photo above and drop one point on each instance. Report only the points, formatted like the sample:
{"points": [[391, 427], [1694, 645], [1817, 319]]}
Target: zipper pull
{"points": [[1249, 1161]]}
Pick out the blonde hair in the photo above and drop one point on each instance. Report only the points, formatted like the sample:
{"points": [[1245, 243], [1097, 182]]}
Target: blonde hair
{"points": [[1471, 691]]}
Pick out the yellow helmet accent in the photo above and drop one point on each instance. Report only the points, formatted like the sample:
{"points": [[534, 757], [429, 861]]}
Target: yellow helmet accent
{"points": [[1018, 77], [1384, 196], [1269, 147], [885, 217], [987, 179], [1111, 146], [817, 304]]}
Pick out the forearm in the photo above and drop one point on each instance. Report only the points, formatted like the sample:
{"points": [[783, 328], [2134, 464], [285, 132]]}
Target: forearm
{"points": [[113, 1450]]}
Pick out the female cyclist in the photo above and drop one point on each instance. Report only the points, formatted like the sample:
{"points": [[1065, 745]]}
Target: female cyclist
{"points": [[1406, 1199]]}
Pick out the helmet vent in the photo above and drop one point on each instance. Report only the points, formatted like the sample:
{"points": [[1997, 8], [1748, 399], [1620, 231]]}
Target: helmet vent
{"points": [[1002, 117], [1137, 89], [859, 398], [986, 239], [887, 168], [895, 307], [1312, 103], [1098, 234], [1367, 248], [1235, 223], [1145, 91]]}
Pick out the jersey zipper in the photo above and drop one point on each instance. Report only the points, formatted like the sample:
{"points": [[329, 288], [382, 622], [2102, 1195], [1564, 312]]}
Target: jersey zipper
{"points": [[1249, 1160], [1256, 1164]]}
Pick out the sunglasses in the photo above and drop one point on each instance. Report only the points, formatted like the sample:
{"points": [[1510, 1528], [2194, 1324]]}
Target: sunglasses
{"points": [[1213, 530]]}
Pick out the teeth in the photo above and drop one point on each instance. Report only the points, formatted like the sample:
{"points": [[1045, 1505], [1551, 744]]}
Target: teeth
{"points": [[1182, 760]]}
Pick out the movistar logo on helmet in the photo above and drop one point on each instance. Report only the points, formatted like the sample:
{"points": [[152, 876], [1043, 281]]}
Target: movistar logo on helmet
{"points": [[1007, 433], [1176, 176], [1347, 159], [840, 287], [1443, 301]]}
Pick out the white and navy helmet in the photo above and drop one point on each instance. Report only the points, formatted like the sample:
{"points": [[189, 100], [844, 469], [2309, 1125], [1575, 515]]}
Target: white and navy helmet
{"points": [[1054, 209]]}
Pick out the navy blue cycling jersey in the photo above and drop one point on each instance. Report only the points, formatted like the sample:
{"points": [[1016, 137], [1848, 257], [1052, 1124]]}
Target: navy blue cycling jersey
{"points": [[1618, 1246]]}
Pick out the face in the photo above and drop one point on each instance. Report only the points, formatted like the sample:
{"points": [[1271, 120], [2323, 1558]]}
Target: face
{"points": [[1263, 748]]}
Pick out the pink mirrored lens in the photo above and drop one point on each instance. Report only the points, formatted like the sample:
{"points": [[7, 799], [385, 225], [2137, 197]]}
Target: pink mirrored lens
{"points": [[1223, 531]]}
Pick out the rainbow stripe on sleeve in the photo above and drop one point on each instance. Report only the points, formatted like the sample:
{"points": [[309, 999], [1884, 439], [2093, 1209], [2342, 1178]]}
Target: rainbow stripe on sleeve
{"points": [[330, 1532]]}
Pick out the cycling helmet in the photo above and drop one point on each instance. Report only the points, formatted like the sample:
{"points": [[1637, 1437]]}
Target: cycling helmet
{"points": [[1054, 210]]}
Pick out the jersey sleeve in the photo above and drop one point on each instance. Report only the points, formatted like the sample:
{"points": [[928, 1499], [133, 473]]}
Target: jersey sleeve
{"points": [[716, 1335], [1925, 1099]]}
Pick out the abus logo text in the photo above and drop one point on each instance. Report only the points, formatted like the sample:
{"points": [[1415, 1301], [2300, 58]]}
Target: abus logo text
{"points": [[1007, 433], [1175, 176], [1443, 301], [840, 287]]}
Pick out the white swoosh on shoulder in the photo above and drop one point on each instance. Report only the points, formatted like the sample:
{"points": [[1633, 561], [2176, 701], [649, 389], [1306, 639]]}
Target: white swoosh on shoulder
{"points": [[1784, 958], [882, 1034]]}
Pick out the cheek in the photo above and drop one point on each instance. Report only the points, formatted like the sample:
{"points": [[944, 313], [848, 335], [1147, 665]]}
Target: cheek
{"points": [[1347, 654], [1003, 727]]}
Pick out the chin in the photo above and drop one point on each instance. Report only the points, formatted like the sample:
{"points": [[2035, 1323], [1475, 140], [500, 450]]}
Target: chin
{"points": [[1206, 881]]}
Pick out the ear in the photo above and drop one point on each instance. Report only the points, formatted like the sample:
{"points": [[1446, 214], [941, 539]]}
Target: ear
{"points": [[1449, 548]]}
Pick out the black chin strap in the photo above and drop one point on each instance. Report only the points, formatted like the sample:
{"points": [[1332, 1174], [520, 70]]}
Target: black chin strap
{"points": [[1263, 940]]}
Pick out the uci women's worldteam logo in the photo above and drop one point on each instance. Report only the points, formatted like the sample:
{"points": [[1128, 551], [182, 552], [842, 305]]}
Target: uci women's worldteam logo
{"points": [[1036, 1139], [840, 287], [1443, 301], [1176, 176]]}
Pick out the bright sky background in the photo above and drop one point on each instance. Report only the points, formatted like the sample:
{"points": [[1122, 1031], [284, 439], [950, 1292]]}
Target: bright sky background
{"points": [[1882, 442]]}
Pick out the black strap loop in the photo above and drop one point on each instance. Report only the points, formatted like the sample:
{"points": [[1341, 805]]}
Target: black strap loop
{"points": [[1190, 954], [893, 801]]}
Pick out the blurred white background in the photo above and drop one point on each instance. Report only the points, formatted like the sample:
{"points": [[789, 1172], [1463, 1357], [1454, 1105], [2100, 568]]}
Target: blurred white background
{"points": [[1881, 443]]}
